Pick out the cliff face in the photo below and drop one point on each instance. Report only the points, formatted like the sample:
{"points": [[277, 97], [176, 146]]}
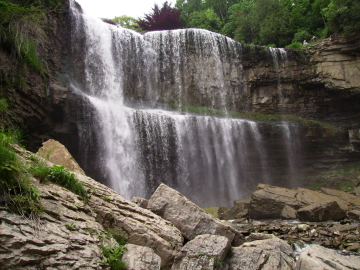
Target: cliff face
{"points": [[320, 83], [36, 96], [323, 85]]}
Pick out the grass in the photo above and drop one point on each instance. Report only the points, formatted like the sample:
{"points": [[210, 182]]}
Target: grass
{"points": [[58, 175], [113, 253], [212, 211], [16, 189], [249, 115], [343, 179]]}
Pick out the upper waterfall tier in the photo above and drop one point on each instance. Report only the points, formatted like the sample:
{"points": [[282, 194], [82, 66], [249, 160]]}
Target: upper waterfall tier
{"points": [[185, 67]]}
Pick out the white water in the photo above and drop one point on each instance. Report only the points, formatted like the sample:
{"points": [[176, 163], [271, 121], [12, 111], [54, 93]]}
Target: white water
{"points": [[211, 160]]}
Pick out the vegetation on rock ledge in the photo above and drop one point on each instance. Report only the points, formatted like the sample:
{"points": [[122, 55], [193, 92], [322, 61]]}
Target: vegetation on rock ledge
{"points": [[257, 116]]}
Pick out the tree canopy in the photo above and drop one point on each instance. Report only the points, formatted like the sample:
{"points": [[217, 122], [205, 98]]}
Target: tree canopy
{"points": [[276, 22], [164, 18]]}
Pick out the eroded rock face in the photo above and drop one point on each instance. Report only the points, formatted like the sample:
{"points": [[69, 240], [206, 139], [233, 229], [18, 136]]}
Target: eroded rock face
{"points": [[203, 252], [317, 257], [49, 243], [139, 226], [190, 219], [271, 253], [72, 227], [140, 258]]}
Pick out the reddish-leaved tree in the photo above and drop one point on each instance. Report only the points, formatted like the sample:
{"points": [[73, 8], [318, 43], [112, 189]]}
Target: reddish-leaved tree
{"points": [[165, 18]]}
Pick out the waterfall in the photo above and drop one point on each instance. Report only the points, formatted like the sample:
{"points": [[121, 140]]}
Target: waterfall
{"points": [[124, 83]]}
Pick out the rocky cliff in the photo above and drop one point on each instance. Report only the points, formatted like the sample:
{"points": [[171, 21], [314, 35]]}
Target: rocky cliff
{"points": [[318, 83]]}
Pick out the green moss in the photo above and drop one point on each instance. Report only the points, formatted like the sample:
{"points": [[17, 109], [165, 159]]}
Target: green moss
{"points": [[212, 211], [249, 115]]}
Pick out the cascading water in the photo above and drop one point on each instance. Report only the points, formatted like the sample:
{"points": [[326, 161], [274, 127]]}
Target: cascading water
{"points": [[122, 77]]}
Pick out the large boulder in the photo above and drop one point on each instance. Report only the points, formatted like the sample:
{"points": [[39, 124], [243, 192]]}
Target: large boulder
{"points": [[57, 153], [268, 201], [277, 202], [272, 253], [318, 212], [139, 226], [203, 252], [140, 258], [190, 219], [318, 258], [351, 199]]}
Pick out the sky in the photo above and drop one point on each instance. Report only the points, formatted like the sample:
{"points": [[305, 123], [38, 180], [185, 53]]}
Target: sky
{"points": [[111, 8]]}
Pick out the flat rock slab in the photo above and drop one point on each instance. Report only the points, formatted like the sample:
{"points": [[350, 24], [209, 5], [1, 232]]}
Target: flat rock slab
{"points": [[189, 218], [317, 257], [277, 202], [272, 253], [140, 258], [203, 252]]}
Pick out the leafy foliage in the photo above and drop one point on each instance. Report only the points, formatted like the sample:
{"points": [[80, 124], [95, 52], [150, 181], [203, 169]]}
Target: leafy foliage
{"points": [[113, 253], [113, 257], [164, 18], [206, 19], [127, 22], [57, 174], [278, 22], [344, 16], [16, 189]]}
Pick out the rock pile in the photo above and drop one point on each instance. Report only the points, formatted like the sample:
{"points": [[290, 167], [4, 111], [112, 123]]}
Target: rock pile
{"points": [[270, 202], [172, 233]]}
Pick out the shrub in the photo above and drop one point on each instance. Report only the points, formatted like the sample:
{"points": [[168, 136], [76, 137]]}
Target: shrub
{"points": [[57, 174], [113, 257], [17, 190], [164, 18]]}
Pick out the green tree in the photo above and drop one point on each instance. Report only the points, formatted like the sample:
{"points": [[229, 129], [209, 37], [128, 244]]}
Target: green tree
{"points": [[127, 22], [206, 19], [344, 16]]}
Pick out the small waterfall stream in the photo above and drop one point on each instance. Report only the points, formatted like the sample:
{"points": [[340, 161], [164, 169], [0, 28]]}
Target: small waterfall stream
{"points": [[123, 76]]}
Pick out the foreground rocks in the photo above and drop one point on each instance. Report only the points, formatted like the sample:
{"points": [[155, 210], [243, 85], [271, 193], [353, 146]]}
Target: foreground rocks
{"points": [[271, 253], [317, 257], [71, 232], [190, 219]]}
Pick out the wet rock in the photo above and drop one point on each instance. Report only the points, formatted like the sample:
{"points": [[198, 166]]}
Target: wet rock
{"points": [[190, 219], [140, 258], [317, 257], [203, 252], [271, 253], [321, 212], [303, 227]]}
